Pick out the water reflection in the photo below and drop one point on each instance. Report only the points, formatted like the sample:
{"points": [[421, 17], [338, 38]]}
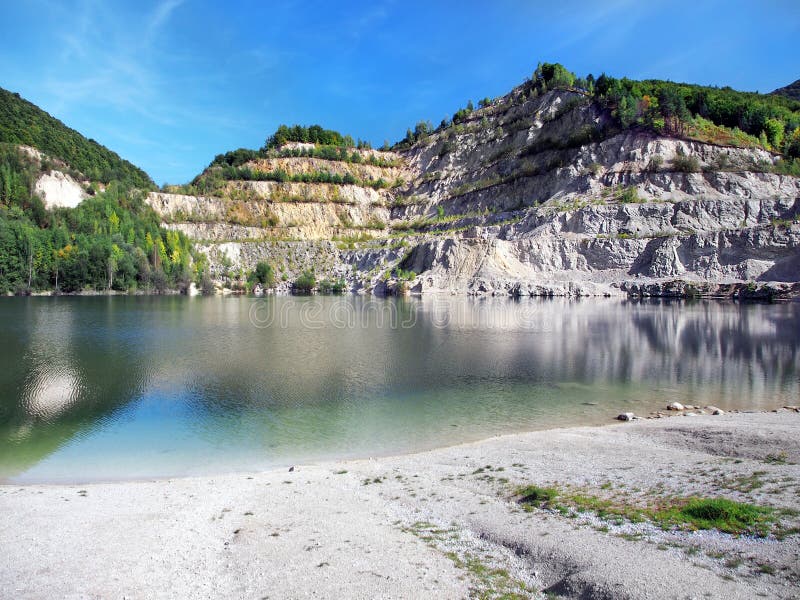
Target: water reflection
{"points": [[122, 387]]}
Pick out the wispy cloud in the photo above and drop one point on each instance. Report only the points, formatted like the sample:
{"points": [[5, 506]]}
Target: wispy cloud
{"points": [[114, 62], [159, 17]]}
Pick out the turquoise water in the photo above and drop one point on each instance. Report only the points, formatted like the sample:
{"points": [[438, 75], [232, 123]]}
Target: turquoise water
{"points": [[105, 388]]}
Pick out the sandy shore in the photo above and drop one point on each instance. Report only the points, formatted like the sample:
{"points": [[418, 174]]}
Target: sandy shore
{"points": [[442, 524]]}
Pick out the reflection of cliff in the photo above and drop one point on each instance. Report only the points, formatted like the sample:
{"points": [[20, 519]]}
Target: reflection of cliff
{"points": [[332, 372], [739, 354]]}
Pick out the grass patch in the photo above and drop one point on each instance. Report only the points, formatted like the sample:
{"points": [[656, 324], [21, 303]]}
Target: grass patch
{"points": [[743, 483], [488, 582], [536, 496], [727, 516], [724, 515], [766, 568], [781, 458]]}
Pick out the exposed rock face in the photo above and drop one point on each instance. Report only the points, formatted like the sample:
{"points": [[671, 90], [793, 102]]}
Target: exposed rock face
{"points": [[58, 189], [528, 196]]}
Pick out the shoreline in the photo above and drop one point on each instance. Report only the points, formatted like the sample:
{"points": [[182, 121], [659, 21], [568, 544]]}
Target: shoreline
{"points": [[688, 412], [415, 524], [676, 289]]}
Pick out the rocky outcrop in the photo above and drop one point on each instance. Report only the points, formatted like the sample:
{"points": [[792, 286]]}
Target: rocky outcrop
{"points": [[58, 189], [527, 196]]}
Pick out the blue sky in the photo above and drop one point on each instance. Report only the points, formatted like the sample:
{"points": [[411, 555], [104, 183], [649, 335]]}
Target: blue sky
{"points": [[170, 83]]}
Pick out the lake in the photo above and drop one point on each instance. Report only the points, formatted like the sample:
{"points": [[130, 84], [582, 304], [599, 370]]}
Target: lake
{"points": [[106, 388]]}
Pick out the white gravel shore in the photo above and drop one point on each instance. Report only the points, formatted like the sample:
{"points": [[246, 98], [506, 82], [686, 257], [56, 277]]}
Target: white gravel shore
{"points": [[443, 524]]}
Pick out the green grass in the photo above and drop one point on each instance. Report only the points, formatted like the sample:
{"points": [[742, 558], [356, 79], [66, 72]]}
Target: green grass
{"points": [[722, 514], [781, 458], [488, 582], [727, 516], [536, 496]]}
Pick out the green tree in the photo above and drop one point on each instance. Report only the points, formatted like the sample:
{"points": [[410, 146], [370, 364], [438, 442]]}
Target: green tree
{"points": [[305, 283], [774, 130], [263, 274]]}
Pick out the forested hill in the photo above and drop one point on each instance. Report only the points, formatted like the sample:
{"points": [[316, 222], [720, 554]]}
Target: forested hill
{"points": [[22, 122], [111, 241], [790, 91]]}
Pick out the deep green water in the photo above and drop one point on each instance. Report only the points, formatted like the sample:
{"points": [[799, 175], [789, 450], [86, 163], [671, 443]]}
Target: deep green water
{"points": [[129, 387]]}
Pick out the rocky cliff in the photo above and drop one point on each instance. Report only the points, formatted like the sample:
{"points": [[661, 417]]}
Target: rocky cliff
{"points": [[529, 195]]}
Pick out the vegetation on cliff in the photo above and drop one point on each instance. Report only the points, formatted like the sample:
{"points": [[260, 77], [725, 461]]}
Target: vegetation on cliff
{"points": [[324, 144], [720, 116], [314, 134], [22, 122]]}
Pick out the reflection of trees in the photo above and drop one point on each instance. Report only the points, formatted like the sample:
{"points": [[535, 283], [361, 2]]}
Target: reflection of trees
{"points": [[68, 369], [73, 362]]}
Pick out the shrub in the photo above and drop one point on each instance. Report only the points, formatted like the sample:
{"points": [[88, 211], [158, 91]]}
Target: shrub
{"points": [[305, 283], [655, 163], [533, 495], [594, 168], [263, 274], [629, 195], [375, 223], [686, 164], [206, 285], [404, 275], [328, 286]]}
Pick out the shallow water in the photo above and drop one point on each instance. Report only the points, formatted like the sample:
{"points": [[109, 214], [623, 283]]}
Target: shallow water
{"points": [[104, 388]]}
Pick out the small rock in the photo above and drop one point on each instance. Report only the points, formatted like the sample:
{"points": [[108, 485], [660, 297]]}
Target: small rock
{"points": [[690, 414], [717, 411], [628, 416], [291, 469], [675, 406]]}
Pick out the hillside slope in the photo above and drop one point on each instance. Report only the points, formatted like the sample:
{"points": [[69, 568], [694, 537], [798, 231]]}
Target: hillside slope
{"points": [[551, 189], [72, 214], [790, 91], [23, 123]]}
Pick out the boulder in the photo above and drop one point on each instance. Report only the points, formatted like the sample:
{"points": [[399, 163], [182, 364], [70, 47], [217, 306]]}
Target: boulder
{"points": [[675, 406], [627, 416]]}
